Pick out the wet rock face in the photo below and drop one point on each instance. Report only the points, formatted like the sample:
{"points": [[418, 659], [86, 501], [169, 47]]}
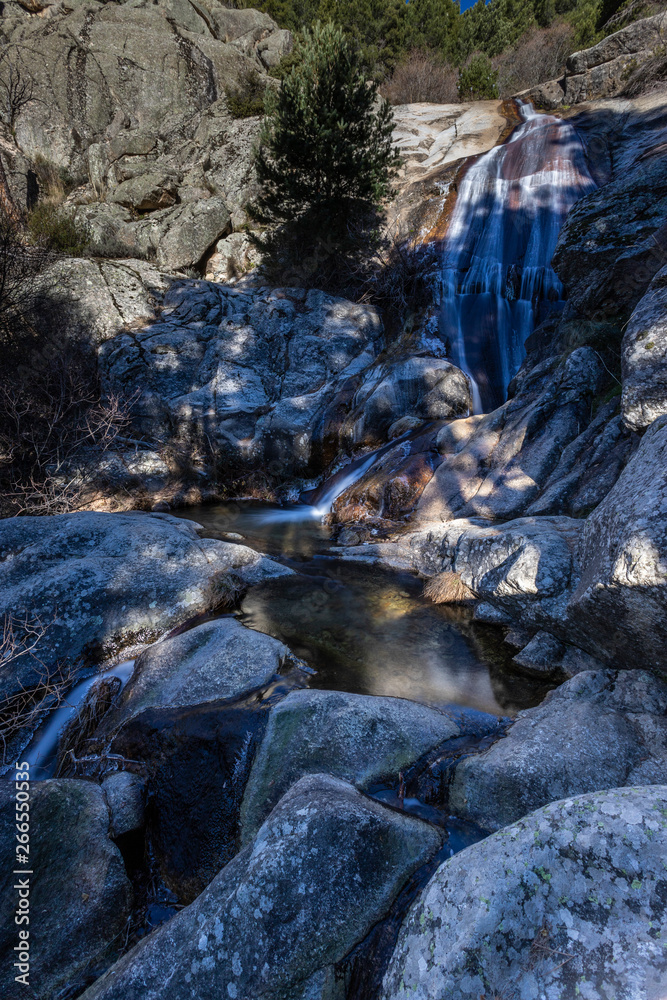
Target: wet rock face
{"points": [[196, 760], [252, 373], [602, 729], [99, 582], [567, 902], [645, 357], [80, 896], [358, 738], [322, 870]]}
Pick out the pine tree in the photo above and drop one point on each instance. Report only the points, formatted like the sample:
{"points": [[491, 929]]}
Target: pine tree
{"points": [[326, 157]]}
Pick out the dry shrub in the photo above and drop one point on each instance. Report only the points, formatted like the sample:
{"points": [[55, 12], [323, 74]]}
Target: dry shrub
{"points": [[22, 710], [649, 76], [422, 79], [55, 424], [539, 56], [82, 727], [448, 588]]}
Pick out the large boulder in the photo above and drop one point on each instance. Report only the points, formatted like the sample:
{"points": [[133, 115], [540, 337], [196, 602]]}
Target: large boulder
{"points": [[358, 738], [79, 895], [424, 388], [95, 583], [569, 902], [251, 374], [129, 107], [323, 869], [645, 357], [96, 299], [602, 729], [111, 72], [219, 659], [603, 70], [619, 602]]}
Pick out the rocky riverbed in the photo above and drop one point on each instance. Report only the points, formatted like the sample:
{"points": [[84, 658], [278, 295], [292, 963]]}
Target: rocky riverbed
{"points": [[403, 730]]}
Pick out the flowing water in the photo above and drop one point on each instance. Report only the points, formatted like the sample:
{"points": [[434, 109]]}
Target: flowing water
{"points": [[362, 629], [497, 283]]}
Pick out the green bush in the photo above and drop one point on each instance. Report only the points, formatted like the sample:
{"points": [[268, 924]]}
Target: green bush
{"points": [[247, 99], [58, 229], [478, 80]]}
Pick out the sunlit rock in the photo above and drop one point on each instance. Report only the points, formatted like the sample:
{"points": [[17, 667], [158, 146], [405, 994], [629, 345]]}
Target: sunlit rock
{"points": [[645, 357]]}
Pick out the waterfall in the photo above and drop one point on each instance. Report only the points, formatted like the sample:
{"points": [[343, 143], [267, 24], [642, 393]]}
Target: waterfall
{"points": [[496, 280], [327, 494]]}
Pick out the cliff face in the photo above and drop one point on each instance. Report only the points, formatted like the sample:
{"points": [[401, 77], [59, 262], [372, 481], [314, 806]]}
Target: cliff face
{"points": [[127, 101]]}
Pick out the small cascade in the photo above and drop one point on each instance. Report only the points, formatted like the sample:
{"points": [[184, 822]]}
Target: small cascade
{"points": [[326, 495], [41, 754], [497, 282]]}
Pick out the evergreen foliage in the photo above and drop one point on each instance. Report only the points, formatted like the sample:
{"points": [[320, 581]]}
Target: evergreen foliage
{"points": [[385, 31], [326, 158], [478, 81]]}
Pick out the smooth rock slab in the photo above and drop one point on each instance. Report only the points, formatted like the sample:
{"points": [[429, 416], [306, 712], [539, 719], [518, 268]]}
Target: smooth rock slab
{"points": [[322, 870], [645, 357], [80, 896], [601, 729], [100, 582], [359, 738], [569, 902], [219, 659]]}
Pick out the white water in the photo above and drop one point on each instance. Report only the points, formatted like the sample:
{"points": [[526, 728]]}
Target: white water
{"points": [[497, 282], [44, 745], [336, 486]]}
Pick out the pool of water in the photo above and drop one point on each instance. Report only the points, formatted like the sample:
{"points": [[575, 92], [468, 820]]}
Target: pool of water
{"points": [[366, 630]]}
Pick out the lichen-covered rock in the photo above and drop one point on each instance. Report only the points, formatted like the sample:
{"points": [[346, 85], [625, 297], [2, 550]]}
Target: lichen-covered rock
{"points": [[620, 598], [323, 869], [98, 298], [99, 582], [601, 70], [645, 357], [355, 737], [614, 240], [602, 729], [219, 659], [569, 902], [80, 897]]}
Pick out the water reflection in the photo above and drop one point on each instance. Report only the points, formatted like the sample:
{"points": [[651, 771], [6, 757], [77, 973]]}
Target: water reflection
{"points": [[365, 630]]}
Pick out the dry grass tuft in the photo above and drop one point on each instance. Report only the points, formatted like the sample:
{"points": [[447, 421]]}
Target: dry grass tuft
{"points": [[448, 588]]}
